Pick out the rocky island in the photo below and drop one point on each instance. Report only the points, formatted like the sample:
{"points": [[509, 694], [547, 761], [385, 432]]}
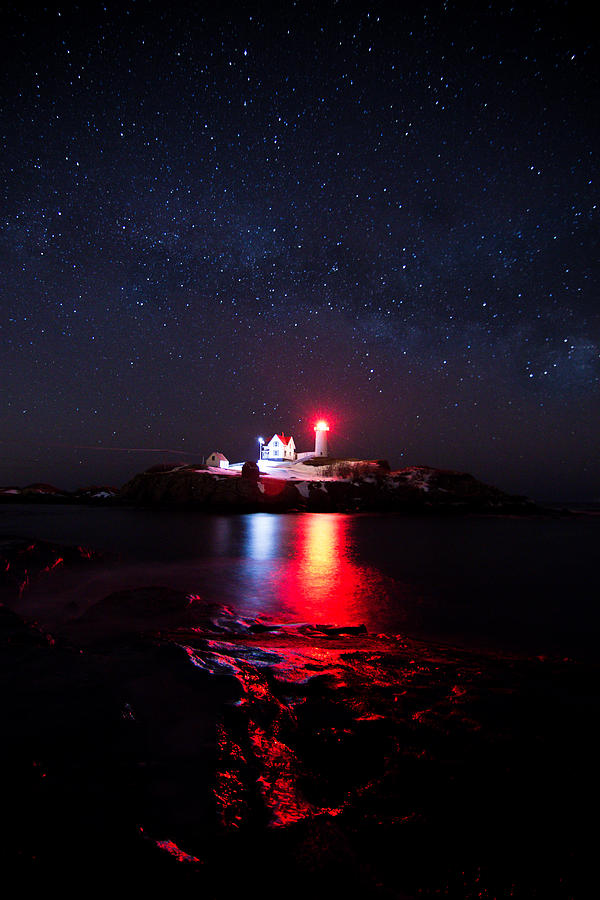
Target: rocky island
{"points": [[335, 486]]}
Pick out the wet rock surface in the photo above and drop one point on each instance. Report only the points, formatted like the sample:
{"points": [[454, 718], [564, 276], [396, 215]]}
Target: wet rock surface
{"points": [[25, 561]]}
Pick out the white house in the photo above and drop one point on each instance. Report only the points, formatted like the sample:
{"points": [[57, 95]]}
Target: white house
{"points": [[279, 447], [217, 459]]}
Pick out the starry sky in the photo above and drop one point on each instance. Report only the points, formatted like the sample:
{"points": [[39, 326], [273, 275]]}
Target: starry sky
{"points": [[223, 220]]}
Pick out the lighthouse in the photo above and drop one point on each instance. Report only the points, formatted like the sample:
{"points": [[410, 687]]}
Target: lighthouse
{"points": [[321, 429]]}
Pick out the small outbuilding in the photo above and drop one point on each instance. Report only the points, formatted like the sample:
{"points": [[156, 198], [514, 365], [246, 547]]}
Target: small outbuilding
{"points": [[217, 460]]}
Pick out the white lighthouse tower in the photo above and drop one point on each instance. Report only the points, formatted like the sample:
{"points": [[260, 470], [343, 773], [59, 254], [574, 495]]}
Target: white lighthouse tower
{"points": [[321, 429]]}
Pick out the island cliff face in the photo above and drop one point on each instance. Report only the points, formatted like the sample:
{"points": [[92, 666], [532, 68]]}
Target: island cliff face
{"points": [[413, 489]]}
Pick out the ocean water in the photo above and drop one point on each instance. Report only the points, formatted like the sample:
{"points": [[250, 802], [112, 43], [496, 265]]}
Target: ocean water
{"points": [[510, 583]]}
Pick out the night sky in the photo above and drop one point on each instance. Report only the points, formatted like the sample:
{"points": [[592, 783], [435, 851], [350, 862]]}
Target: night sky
{"points": [[222, 220]]}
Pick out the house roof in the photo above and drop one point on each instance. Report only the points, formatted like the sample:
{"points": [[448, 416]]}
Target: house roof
{"points": [[284, 440]]}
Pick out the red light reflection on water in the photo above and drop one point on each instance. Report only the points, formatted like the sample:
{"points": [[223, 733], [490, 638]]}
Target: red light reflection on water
{"points": [[316, 580]]}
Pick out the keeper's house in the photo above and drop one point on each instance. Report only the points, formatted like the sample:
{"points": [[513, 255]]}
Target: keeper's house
{"points": [[279, 448]]}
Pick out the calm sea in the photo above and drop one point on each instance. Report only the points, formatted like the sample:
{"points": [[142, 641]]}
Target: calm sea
{"points": [[526, 584]]}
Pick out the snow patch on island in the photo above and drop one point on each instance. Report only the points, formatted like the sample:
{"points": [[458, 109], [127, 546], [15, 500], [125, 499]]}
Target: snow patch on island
{"points": [[418, 477]]}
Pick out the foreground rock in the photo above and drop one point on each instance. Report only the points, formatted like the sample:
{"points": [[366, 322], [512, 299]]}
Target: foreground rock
{"points": [[111, 749], [226, 762], [138, 611], [413, 489], [24, 562]]}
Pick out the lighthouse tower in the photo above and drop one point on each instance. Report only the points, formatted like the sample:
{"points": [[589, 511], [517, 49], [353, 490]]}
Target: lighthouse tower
{"points": [[321, 429]]}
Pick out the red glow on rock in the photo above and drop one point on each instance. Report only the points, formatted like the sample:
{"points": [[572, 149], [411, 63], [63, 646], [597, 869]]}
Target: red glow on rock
{"points": [[272, 487], [57, 562], [179, 854], [85, 553], [279, 783], [231, 793]]}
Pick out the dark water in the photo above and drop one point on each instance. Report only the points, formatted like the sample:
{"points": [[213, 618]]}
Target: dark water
{"points": [[512, 583], [313, 705]]}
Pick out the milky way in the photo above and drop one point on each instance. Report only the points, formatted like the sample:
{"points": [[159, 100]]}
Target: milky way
{"points": [[219, 221]]}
